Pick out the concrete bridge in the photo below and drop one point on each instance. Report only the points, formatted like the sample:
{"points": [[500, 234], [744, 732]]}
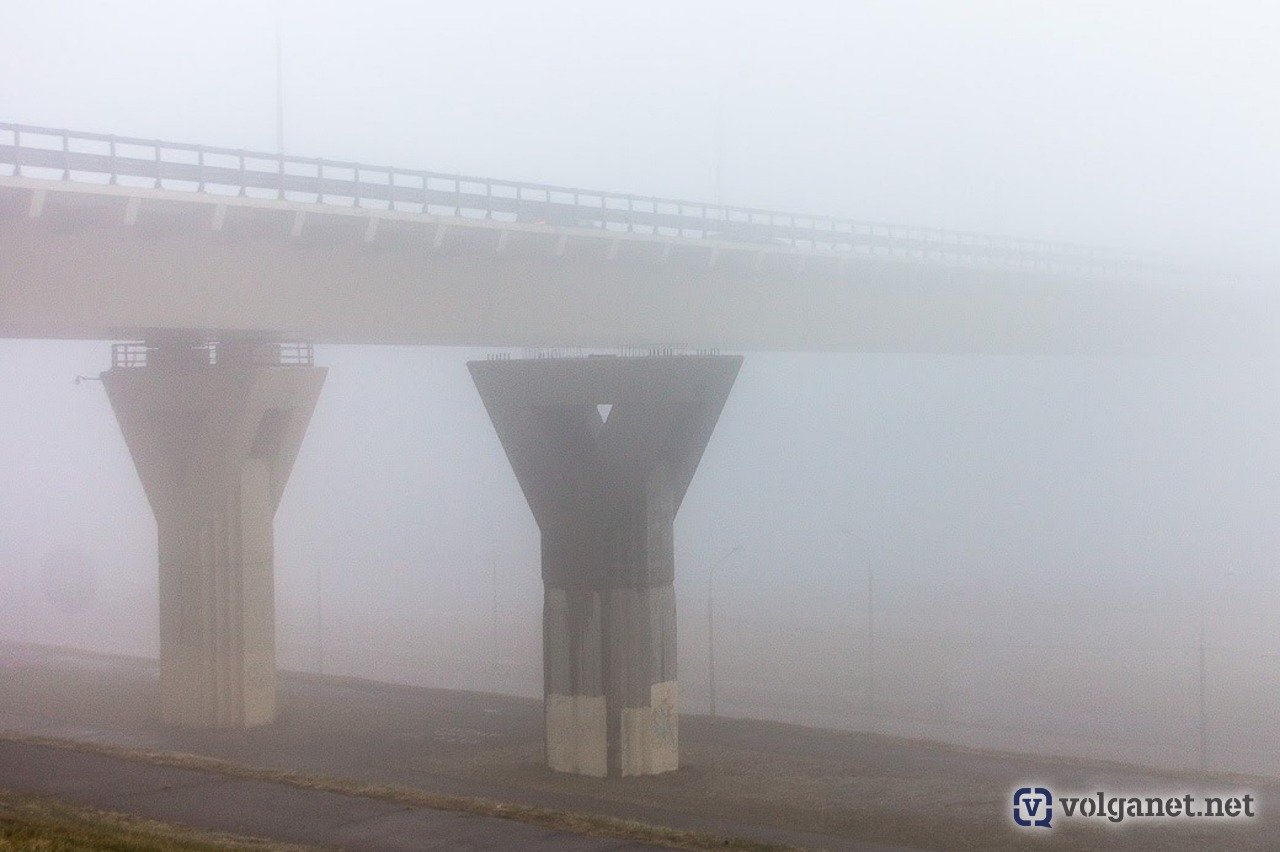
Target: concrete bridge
{"points": [[221, 268]]}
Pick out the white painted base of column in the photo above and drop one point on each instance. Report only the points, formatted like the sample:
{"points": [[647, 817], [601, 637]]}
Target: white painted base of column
{"points": [[577, 738], [651, 735]]}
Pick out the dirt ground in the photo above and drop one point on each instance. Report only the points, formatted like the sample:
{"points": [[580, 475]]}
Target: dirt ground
{"points": [[782, 783]]}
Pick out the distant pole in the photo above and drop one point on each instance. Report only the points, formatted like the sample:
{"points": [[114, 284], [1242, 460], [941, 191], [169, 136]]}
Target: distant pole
{"points": [[279, 82], [871, 615], [26, 603], [711, 628], [1203, 718], [711, 652], [718, 132], [493, 564], [871, 635], [319, 618], [1210, 584]]}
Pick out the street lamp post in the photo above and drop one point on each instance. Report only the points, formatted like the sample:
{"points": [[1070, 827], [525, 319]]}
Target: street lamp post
{"points": [[718, 132], [1210, 576], [26, 604], [1203, 726], [871, 618], [871, 635], [280, 85], [319, 618], [711, 627], [493, 565]]}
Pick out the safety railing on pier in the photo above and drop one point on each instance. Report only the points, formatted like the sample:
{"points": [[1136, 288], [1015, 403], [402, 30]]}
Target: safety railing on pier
{"points": [[287, 353], [40, 152], [124, 355], [655, 350]]}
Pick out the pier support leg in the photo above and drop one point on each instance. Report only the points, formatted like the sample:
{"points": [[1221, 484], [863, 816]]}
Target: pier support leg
{"points": [[604, 450], [214, 434]]}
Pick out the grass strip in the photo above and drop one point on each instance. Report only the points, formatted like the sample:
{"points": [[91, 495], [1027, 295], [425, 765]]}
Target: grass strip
{"points": [[51, 825], [576, 823]]}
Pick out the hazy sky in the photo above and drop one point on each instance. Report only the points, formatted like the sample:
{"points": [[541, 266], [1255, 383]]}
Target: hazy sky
{"points": [[1152, 124], [1141, 123]]}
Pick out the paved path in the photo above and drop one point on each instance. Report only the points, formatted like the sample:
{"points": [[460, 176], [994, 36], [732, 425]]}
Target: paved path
{"points": [[261, 809]]}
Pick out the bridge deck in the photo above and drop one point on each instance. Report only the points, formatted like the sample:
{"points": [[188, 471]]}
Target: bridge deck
{"points": [[105, 238]]}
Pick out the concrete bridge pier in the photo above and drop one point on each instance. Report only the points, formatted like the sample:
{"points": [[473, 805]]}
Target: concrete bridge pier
{"points": [[214, 430], [609, 645], [604, 450]]}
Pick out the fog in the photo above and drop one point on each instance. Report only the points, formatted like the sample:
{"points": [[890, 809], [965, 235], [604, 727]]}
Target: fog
{"points": [[1050, 540]]}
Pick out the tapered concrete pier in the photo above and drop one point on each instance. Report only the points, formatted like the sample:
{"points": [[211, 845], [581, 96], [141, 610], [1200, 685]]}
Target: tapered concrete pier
{"points": [[604, 450], [214, 431]]}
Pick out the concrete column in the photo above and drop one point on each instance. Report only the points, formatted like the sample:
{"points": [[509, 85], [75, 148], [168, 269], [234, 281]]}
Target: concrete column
{"points": [[605, 492], [214, 444]]}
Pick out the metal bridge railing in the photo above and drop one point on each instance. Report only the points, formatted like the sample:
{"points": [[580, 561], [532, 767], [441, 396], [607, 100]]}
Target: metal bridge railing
{"points": [[41, 152]]}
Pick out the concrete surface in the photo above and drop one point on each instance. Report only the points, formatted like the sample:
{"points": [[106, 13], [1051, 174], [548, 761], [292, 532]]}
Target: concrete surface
{"points": [[214, 446], [114, 262], [605, 491]]}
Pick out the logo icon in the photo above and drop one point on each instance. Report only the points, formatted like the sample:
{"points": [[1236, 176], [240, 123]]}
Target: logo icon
{"points": [[1033, 806]]}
